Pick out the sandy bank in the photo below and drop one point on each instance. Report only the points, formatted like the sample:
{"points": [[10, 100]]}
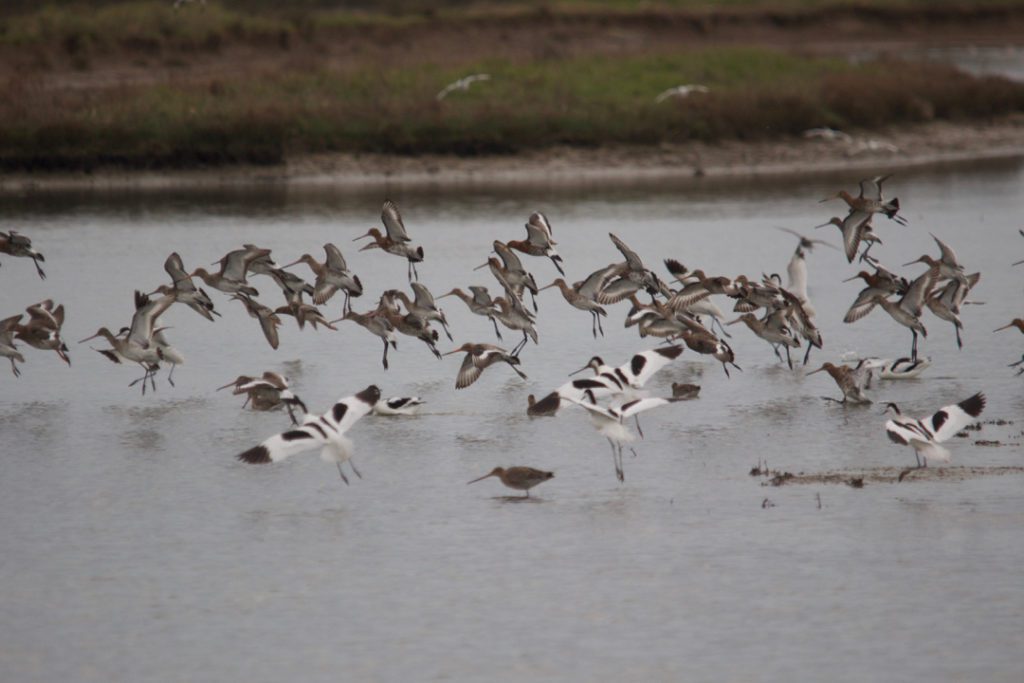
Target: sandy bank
{"points": [[933, 144]]}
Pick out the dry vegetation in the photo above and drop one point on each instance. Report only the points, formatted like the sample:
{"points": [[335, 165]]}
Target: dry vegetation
{"points": [[139, 84]]}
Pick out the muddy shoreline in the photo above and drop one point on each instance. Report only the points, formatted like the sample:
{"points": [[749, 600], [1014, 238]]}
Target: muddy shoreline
{"points": [[927, 145]]}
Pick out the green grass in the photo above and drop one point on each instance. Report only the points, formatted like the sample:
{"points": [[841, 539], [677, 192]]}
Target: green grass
{"points": [[592, 101]]}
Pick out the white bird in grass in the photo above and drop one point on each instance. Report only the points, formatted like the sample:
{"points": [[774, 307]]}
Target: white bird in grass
{"points": [[926, 434], [680, 91], [399, 405], [327, 430], [461, 84], [610, 423]]}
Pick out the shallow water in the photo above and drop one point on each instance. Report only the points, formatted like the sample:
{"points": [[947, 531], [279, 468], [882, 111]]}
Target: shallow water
{"points": [[137, 548]]}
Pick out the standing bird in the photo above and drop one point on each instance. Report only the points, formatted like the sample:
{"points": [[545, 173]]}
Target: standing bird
{"points": [[331, 275], [13, 244], [8, 327], [478, 358], [610, 423], [925, 435], [396, 240], [851, 381], [327, 430], [519, 478]]}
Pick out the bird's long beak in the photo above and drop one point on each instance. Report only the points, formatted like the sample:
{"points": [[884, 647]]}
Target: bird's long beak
{"points": [[547, 287], [229, 384], [296, 262], [491, 474], [483, 265], [1004, 327], [98, 334], [444, 295], [849, 279], [362, 236], [822, 225], [576, 372], [451, 352], [814, 371]]}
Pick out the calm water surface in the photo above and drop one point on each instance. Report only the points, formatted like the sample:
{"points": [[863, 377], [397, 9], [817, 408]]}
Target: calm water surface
{"points": [[136, 548]]}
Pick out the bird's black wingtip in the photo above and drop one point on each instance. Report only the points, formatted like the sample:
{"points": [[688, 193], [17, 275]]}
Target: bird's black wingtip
{"points": [[670, 352], [257, 455], [973, 405]]}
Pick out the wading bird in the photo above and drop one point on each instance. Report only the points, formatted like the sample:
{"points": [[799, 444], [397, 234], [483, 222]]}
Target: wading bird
{"points": [[925, 435], [399, 405], [43, 329], [851, 381], [518, 478]]}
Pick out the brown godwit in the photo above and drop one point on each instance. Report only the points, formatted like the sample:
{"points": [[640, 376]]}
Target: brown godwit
{"points": [[13, 244], [518, 478], [331, 275], [851, 381], [184, 290], [578, 300], [539, 240], [8, 327], [43, 329], [377, 324], [478, 358], [396, 240]]}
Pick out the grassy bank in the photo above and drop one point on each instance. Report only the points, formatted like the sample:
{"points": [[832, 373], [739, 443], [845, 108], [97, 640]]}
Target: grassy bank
{"points": [[55, 116]]}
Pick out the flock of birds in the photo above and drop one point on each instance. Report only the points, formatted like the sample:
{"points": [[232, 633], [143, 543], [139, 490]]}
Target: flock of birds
{"points": [[680, 311]]}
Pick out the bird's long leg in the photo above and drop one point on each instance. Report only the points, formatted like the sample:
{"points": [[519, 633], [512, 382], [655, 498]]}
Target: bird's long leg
{"points": [[636, 418], [775, 348], [496, 330], [593, 323], [557, 265], [615, 461], [533, 298], [444, 326], [248, 397], [721, 327], [726, 368], [352, 464], [291, 413], [808, 354], [913, 347], [343, 477], [385, 354], [599, 328], [789, 359], [14, 368], [170, 375], [346, 307], [622, 472], [42, 275], [518, 371], [959, 344]]}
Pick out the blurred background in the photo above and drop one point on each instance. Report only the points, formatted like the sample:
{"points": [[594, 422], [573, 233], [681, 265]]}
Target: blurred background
{"points": [[148, 84]]}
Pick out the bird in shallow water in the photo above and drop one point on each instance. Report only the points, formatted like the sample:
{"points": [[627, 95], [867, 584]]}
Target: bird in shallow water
{"points": [[519, 478], [925, 435]]}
